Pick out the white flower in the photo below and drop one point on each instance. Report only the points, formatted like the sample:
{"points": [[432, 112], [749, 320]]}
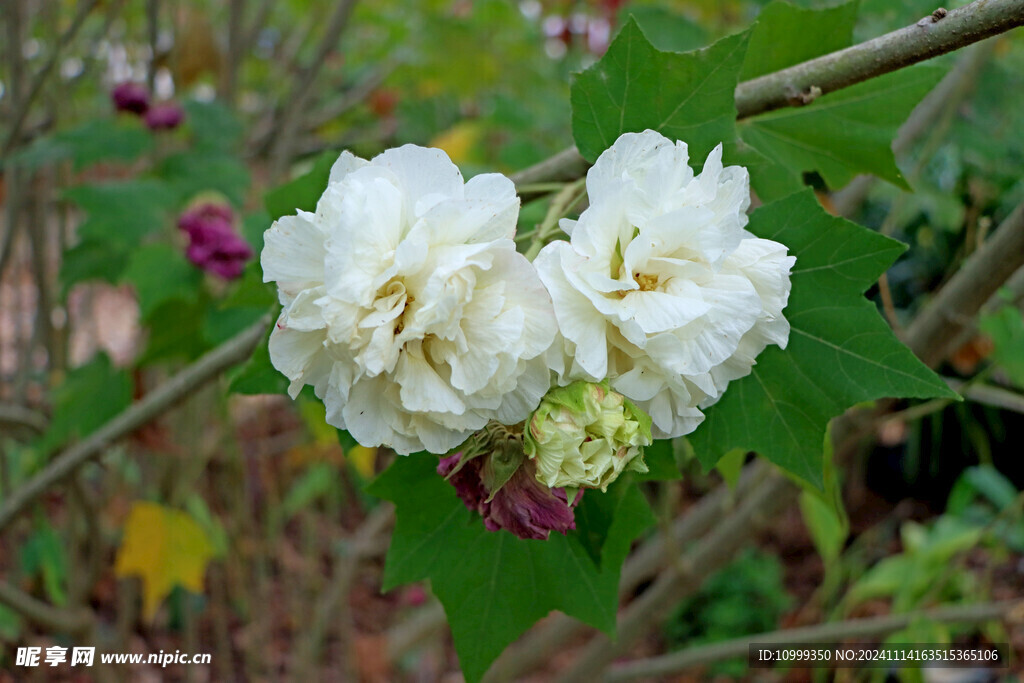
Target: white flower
{"points": [[660, 288], [406, 305]]}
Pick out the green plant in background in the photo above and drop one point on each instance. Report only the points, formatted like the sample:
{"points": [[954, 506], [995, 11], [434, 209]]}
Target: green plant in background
{"points": [[745, 598]]}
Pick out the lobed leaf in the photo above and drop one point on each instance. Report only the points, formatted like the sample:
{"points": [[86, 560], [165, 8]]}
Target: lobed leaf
{"points": [[493, 585], [840, 352], [684, 96]]}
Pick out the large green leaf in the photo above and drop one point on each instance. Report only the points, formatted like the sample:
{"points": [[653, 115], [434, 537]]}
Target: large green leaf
{"points": [[844, 133], [160, 273], [123, 212], [189, 173], [92, 259], [840, 351], [117, 139], [90, 395], [667, 30], [785, 35], [493, 585], [685, 96], [302, 192]]}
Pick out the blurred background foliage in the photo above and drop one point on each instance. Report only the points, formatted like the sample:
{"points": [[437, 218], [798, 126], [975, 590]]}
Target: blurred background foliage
{"points": [[220, 526]]}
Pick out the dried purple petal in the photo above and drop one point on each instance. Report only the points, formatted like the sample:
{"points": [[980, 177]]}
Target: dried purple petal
{"points": [[529, 509], [164, 116], [130, 97], [214, 245], [523, 506]]}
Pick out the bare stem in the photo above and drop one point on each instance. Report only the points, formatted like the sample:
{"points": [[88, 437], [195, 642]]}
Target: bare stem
{"points": [[154, 404], [837, 70], [932, 334], [927, 38]]}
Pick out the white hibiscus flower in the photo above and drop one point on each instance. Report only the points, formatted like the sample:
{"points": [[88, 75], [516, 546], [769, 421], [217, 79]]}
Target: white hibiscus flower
{"points": [[406, 305], [660, 288]]}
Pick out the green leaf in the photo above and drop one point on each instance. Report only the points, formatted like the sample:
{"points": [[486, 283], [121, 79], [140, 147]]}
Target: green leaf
{"points": [[730, 466], [118, 139], [213, 125], [667, 30], [770, 180], [91, 395], [92, 260], [224, 323], [258, 375], [189, 173], [634, 87], [844, 133], [123, 212], [840, 350], [661, 462], [43, 555], [493, 585], [175, 331], [1005, 328], [785, 35], [303, 192], [160, 273], [827, 529]]}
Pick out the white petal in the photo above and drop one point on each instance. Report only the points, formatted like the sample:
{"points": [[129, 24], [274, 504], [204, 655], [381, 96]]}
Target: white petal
{"points": [[423, 174], [293, 251], [345, 164]]}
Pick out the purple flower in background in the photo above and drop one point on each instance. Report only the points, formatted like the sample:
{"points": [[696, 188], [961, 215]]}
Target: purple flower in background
{"points": [[214, 245], [130, 97], [523, 506], [164, 116]]}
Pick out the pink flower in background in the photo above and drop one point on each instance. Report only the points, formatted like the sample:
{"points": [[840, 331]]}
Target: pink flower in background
{"points": [[130, 97], [523, 505], [164, 116], [214, 245]]}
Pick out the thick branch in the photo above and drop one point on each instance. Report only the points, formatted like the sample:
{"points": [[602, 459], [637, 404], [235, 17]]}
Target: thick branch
{"points": [[667, 665], [838, 70], [936, 329], [150, 407], [928, 38]]}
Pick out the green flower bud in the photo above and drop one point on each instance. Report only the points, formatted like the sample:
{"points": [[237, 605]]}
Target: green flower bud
{"points": [[585, 435]]}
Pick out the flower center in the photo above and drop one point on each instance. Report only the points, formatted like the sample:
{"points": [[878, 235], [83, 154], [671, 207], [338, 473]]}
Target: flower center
{"points": [[648, 283]]}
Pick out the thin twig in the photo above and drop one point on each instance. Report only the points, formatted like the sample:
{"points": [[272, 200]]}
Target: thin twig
{"points": [[296, 102], [45, 615], [363, 545], [18, 120], [177, 388], [667, 665]]}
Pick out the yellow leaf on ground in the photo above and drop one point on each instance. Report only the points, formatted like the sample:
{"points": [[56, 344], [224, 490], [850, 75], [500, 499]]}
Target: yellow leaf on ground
{"points": [[165, 547]]}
